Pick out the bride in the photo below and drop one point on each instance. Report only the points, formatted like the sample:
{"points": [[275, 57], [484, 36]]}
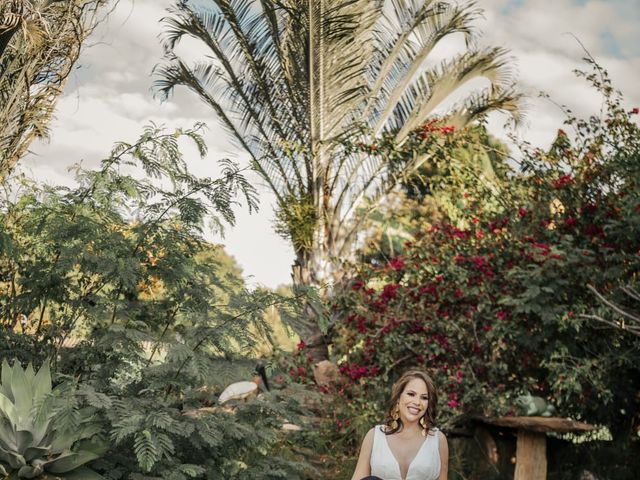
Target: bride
{"points": [[407, 446]]}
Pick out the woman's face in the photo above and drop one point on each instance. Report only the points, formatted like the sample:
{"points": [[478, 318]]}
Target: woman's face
{"points": [[413, 401]]}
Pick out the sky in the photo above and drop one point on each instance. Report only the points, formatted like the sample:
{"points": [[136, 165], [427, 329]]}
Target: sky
{"points": [[109, 97]]}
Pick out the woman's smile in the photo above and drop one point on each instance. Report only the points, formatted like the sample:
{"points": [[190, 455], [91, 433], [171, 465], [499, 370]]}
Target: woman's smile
{"points": [[414, 410]]}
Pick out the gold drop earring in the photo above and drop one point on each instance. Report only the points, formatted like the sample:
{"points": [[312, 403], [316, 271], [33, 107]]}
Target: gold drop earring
{"points": [[423, 422], [395, 416]]}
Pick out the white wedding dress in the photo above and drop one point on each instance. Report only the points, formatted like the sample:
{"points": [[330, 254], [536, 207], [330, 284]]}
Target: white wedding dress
{"points": [[425, 465]]}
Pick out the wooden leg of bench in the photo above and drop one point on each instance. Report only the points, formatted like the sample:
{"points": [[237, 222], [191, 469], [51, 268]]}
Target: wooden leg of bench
{"points": [[531, 456]]}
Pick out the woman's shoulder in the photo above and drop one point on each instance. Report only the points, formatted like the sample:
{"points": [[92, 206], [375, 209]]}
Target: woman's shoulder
{"points": [[375, 431], [371, 432], [382, 428], [442, 440]]}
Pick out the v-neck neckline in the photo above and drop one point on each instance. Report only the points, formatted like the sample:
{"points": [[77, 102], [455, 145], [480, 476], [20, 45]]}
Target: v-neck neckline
{"points": [[393, 455]]}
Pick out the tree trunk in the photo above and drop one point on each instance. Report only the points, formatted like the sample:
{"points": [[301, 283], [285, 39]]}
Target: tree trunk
{"points": [[305, 274]]}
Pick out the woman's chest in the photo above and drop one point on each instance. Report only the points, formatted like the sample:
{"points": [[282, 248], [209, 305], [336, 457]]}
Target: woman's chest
{"points": [[405, 450], [416, 460]]}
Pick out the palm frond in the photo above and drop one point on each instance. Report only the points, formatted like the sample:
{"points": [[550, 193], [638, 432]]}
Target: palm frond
{"points": [[291, 80], [436, 84]]}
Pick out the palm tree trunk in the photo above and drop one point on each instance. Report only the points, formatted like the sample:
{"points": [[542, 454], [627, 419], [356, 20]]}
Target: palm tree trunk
{"points": [[305, 274]]}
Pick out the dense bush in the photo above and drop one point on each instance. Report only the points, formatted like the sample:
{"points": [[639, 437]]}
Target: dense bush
{"points": [[490, 298]]}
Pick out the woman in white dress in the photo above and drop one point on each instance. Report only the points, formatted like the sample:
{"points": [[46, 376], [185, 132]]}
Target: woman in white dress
{"points": [[408, 446]]}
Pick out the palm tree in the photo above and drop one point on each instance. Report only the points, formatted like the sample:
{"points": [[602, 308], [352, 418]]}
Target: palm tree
{"points": [[40, 41], [293, 80]]}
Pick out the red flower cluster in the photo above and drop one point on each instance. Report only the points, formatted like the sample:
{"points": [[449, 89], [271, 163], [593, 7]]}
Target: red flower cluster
{"points": [[563, 181], [454, 232], [453, 400], [389, 292], [543, 247], [483, 266], [479, 261], [397, 264], [356, 372], [360, 324], [431, 290], [497, 225], [432, 126]]}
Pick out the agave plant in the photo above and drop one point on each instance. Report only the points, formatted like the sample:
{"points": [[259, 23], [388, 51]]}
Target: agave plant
{"points": [[42, 434]]}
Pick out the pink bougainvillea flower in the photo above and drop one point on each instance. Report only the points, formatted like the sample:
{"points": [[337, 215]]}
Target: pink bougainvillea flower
{"points": [[563, 181], [453, 400], [389, 292], [360, 325], [397, 263], [453, 403], [479, 261]]}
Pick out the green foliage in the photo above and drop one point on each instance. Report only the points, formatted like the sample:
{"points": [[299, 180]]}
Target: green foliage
{"points": [[44, 431], [490, 298], [114, 280], [453, 162]]}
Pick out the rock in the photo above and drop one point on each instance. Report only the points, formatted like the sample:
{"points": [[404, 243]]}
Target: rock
{"points": [[325, 373]]}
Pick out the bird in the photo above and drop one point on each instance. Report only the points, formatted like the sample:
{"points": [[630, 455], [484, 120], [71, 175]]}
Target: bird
{"points": [[245, 389]]}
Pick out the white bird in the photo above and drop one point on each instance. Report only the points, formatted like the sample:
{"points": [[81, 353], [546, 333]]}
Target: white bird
{"points": [[238, 391], [243, 390]]}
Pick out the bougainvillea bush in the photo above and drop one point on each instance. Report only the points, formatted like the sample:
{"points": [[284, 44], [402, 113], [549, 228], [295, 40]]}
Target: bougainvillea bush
{"points": [[492, 303]]}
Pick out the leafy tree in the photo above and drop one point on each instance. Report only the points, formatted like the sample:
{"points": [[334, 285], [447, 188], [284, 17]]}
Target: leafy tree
{"points": [[40, 41], [292, 80], [116, 283]]}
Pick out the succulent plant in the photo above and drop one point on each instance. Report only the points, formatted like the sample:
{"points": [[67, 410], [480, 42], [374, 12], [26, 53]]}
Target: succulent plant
{"points": [[43, 435]]}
